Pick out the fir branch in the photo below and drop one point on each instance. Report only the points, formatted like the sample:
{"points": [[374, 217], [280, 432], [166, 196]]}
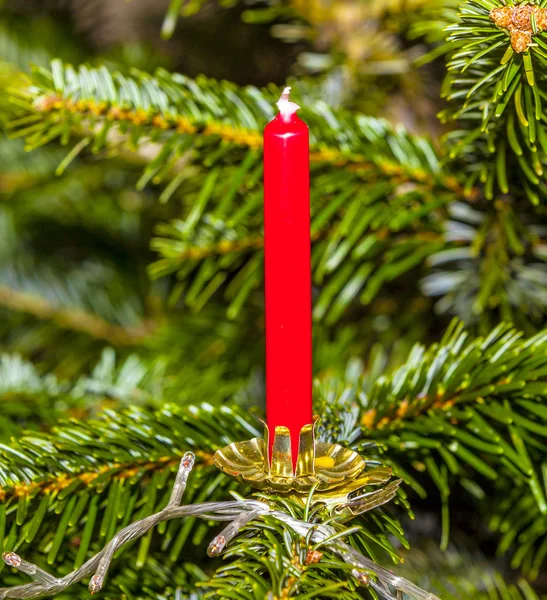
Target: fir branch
{"points": [[478, 401], [362, 242], [238, 514], [74, 320], [142, 451], [88, 197], [497, 271], [299, 569], [211, 113], [29, 401], [429, 25], [90, 295], [460, 408], [498, 85], [520, 524], [187, 359], [46, 584], [125, 466]]}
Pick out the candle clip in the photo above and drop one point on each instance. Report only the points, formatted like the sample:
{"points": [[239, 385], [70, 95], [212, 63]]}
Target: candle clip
{"points": [[336, 473]]}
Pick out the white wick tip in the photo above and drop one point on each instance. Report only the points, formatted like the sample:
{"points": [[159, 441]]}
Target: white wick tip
{"points": [[285, 95], [286, 107]]}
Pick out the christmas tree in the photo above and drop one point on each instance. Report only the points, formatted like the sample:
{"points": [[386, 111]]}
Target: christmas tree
{"points": [[132, 297]]}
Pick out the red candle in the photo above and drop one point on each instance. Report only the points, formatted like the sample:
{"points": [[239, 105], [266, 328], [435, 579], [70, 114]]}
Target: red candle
{"points": [[287, 272]]}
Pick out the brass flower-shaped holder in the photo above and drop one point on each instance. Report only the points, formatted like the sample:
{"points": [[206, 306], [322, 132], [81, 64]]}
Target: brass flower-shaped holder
{"points": [[335, 471]]}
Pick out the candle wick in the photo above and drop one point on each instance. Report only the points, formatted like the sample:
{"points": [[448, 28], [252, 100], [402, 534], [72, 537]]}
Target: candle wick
{"points": [[285, 95], [286, 107]]}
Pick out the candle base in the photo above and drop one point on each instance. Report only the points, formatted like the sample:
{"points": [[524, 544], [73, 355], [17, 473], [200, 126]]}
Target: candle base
{"points": [[335, 472]]}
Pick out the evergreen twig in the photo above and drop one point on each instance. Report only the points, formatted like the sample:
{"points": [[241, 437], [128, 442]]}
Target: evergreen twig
{"points": [[75, 320]]}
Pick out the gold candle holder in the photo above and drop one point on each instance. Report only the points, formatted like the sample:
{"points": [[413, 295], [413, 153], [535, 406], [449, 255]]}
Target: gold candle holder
{"points": [[335, 472]]}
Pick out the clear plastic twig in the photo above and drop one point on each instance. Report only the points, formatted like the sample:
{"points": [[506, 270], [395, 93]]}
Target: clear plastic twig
{"points": [[238, 513], [228, 533]]}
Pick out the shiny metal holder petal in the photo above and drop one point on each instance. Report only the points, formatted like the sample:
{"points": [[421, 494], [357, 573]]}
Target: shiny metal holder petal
{"points": [[335, 472]]}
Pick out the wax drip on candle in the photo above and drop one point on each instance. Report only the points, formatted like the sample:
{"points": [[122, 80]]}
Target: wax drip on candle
{"points": [[286, 107]]}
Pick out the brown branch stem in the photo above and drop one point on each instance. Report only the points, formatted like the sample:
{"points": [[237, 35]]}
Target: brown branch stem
{"points": [[73, 319]]}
